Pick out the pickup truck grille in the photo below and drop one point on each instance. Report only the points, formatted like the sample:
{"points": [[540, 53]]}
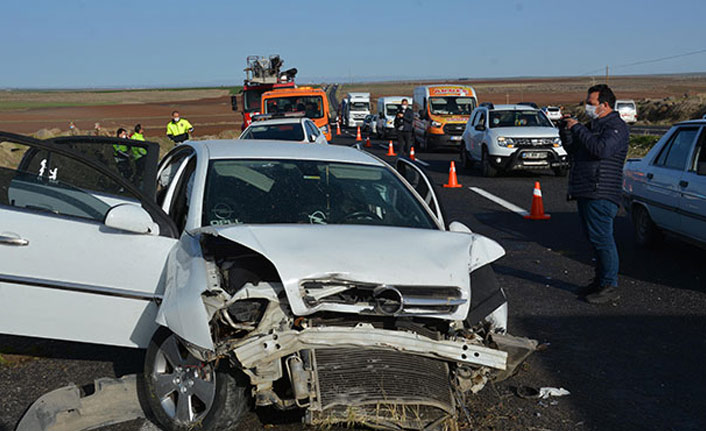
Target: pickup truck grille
{"points": [[380, 386], [455, 129]]}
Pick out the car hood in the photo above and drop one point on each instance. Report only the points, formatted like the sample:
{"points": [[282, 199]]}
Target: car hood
{"points": [[526, 132], [366, 254]]}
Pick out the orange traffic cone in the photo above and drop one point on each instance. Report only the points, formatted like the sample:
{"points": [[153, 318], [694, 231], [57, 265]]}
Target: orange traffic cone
{"points": [[453, 181], [358, 138], [338, 129], [411, 153], [537, 211], [390, 150], [367, 142]]}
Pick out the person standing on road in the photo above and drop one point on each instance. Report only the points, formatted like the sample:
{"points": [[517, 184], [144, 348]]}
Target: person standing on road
{"points": [[598, 153], [403, 126], [179, 128]]}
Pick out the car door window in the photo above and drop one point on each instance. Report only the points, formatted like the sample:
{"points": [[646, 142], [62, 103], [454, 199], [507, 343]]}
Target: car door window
{"points": [[179, 207], [481, 119], [168, 171], [314, 130], [42, 180], [677, 150], [698, 163]]}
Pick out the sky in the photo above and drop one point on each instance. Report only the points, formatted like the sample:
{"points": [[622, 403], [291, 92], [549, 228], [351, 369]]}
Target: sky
{"points": [[116, 44]]}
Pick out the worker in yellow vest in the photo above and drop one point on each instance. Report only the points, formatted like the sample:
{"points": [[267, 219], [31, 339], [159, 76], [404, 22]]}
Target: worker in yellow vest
{"points": [[179, 128], [138, 135], [121, 154]]}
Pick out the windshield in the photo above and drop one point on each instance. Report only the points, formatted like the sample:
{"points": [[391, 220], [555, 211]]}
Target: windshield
{"points": [[451, 105], [306, 191], [282, 132], [360, 106], [251, 100], [518, 118], [391, 109], [312, 106], [625, 106]]}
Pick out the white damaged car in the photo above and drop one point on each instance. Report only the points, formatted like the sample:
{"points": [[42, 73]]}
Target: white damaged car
{"points": [[306, 277]]}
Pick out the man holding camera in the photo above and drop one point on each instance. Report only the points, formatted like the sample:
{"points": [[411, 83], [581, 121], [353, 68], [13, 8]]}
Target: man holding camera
{"points": [[598, 153], [403, 126]]}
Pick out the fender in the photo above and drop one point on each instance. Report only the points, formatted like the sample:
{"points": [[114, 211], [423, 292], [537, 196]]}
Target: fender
{"points": [[484, 251]]}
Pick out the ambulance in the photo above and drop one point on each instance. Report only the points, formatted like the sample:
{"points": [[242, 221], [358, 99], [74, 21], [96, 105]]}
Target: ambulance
{"points": [[441, 112]]}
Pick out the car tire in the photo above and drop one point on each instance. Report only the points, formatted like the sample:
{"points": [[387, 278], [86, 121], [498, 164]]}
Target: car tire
{"points": [[223, 390], [646, 232], [486, 169], [561, 172], [466, 161]]}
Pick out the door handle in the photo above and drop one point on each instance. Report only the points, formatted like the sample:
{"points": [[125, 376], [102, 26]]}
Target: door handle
{"points": [[12, 240], [683, 184], [650, 175]]}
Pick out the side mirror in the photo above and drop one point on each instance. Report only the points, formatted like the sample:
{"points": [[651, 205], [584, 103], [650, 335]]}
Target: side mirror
{"points": [[480, 127], [131, 218], [457, 226], [234, 102]]}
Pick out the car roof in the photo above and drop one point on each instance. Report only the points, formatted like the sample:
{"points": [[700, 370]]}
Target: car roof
{"points": [[291, 120], [697, 121], [510, 108], [269, 149]]}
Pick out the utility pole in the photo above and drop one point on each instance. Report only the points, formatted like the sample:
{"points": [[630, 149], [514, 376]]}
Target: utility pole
{"points": [[507, 98], [606, 75]]}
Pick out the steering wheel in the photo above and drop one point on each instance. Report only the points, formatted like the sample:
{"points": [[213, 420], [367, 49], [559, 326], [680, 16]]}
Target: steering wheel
{"points": [[362, 215]]}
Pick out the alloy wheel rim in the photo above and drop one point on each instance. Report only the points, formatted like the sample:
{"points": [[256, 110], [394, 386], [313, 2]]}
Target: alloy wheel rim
{"points": [[184, 386]]}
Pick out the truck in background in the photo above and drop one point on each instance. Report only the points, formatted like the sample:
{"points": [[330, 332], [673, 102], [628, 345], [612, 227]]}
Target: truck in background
{"points": [[627, 110], [387, 108], [313, 102], [440, 114], [261, 74], [354, 108]]}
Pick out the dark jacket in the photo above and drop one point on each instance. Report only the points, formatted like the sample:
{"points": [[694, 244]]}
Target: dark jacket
{"points": [[404, 123], [597, 156]]}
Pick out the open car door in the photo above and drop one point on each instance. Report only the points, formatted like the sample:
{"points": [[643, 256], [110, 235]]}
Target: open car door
{"points": [[82, 249], [420, 182]]}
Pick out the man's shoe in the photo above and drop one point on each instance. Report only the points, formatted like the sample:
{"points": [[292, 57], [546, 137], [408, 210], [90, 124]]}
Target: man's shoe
{"points": [[588, 289], [603, 295]]}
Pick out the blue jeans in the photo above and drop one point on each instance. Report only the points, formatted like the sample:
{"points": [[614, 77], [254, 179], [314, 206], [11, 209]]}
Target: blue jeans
{"points": [[597, 217]]}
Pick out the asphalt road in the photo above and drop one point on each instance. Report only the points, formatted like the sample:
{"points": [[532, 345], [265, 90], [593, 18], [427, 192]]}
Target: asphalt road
{"points": [[636, 364]]}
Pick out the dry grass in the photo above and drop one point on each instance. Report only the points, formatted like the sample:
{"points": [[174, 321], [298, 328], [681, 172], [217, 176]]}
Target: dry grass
{"points": [[44, 99]]}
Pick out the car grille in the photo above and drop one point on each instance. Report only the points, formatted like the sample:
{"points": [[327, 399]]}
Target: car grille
{"points": [[534, 142], [416, 300], [377, 386], [455, 129]]}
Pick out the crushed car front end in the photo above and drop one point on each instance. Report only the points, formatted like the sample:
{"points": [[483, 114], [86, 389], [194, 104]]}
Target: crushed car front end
{"points": [[347, 324]]}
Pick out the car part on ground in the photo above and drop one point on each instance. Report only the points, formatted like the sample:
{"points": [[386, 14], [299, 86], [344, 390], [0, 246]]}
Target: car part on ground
{"points": [[109, 401]]}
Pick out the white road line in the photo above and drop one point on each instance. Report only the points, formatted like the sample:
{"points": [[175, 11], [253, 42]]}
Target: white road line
{"points": [[502, 202]]}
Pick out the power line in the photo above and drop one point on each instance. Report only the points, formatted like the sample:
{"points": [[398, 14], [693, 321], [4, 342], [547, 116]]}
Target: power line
{"points": [[654, 60]]}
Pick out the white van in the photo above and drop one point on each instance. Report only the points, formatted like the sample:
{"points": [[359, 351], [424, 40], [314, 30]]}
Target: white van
{"points": [[627, 110], [387, 109]]}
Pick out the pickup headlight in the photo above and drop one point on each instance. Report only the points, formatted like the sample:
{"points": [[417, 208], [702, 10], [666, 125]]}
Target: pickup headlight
{"points": [[435, 124], [505, 142], [556, 142]]}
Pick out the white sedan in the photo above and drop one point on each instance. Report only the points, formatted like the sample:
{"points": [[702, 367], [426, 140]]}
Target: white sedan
{"points": [[252, 267], [298, 129], [665, 191]]}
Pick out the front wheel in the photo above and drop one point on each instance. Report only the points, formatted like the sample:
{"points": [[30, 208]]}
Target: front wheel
{"points": [[487, 169], [185, 394], [561, 172], [466, 161]]}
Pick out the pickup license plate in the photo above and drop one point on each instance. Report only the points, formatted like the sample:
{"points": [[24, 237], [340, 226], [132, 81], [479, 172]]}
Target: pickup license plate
{"points": [[534, 155]]}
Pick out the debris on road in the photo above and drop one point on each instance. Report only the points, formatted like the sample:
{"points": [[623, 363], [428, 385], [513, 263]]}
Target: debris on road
{"points": [[69, 408], [543, 393]]}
